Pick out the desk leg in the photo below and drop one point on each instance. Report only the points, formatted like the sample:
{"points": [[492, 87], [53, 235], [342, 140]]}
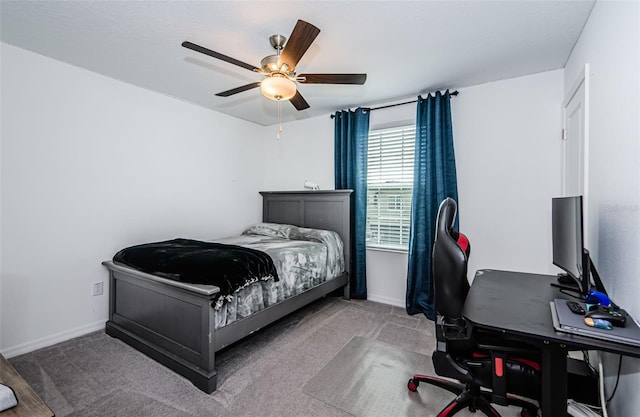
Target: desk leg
{"points": [[554, 381]]}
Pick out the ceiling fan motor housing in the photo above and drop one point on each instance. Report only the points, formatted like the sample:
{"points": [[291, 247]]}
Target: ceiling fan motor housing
{"points": [[269, 63]]}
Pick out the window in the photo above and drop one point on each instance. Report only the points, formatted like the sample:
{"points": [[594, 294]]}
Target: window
{"points": [[389, 186]]}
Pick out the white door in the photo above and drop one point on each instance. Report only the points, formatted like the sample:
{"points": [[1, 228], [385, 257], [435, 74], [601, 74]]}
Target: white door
{"points": [[575, 141]]}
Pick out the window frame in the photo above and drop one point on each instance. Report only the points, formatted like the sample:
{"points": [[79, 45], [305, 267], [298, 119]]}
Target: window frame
{"points": [[390, 159]]}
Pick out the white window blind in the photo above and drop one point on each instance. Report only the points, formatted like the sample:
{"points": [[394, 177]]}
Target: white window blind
{"points": [[389, 186]]}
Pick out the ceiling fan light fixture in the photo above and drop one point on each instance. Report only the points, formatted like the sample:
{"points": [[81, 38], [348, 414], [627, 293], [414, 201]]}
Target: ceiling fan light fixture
{"points": [[278, 87]]}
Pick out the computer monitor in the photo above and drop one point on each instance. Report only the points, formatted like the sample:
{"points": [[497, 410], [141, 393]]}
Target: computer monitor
{"points": [[569, 253], [566, 218]]}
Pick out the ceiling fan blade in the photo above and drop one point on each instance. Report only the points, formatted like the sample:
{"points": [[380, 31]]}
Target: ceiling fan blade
{"points": [[238, 89], [299, 102], [300, 40], [333, 78], [203, 50]]}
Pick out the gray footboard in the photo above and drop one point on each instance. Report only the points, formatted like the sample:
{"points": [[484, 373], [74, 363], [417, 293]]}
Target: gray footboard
{"points": [[173, 322]]}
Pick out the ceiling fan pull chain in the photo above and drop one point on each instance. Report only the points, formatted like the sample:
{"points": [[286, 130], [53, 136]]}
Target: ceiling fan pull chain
{"points": [[279, 119]]}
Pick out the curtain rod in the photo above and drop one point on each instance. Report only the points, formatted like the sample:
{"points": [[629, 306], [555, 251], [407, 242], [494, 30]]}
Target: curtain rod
{"points": [[453, 93]]}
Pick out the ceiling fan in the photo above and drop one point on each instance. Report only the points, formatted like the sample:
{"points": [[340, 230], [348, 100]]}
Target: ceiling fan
{"points": [[280, 69]]}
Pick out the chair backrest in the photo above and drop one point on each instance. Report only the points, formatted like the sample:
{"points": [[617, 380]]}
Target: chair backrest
{"points": [[449, 263]]}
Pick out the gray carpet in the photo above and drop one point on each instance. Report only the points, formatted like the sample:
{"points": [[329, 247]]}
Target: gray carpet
{"points": [[264, 375], [368, 378]]}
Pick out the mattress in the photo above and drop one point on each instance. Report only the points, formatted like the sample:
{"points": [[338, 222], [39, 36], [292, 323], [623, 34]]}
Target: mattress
{"points": [[303, 257]]}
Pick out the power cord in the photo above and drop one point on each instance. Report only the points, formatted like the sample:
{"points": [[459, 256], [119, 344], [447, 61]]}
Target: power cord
{"points": [[585, 357], [617, 380], [576, 409]]}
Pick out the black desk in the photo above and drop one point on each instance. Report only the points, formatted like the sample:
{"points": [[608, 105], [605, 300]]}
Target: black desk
{"points": [[517, 304]]}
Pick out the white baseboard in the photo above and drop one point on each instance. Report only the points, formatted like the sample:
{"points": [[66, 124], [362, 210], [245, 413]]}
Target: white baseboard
{"points": [[52, 340], [386, 300]]}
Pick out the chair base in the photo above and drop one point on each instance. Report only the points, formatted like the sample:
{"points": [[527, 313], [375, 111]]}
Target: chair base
{"points": [[469, 396]]}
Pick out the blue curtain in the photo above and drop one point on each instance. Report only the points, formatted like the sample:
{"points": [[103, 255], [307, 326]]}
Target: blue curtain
{"points": [[434, 179], [351, 138]]}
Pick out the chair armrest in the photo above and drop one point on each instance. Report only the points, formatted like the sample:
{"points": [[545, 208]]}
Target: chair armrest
{"points": [[452, 329]]}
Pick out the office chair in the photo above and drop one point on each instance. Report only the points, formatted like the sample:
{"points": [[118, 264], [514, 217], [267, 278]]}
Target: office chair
{"points": [[491, 369]]}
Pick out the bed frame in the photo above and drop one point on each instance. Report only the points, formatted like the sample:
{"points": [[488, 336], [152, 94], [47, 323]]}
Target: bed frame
{"points": [[173, 322]]}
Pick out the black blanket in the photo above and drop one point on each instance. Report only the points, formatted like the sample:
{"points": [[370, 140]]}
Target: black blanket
{"points": [[228, 267]]}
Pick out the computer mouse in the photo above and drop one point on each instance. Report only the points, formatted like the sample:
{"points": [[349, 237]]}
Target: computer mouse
{"points": [[598, 323]]}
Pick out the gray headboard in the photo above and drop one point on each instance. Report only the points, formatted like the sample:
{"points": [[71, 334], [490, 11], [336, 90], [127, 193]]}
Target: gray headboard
{"points": [[328, 210]]}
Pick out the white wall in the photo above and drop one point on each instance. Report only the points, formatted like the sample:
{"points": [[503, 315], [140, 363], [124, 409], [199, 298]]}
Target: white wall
{"points": [[507, 142], [303, 152], [610, 44], [91, 165]]}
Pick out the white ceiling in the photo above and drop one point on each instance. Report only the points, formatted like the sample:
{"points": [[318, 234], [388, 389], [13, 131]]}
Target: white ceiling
{"points": [[406, 47]]}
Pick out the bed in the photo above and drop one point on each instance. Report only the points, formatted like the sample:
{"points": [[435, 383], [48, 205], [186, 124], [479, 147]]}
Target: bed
{"points": [[174, 322]]}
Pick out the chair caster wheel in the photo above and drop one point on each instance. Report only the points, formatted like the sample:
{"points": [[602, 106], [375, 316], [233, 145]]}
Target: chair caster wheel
{"points": [[527, 413], [412, 385]]}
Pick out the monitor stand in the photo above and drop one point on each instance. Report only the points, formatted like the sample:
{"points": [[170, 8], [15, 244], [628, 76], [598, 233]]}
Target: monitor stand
{"points": [[566, 286], [589, 268], [565, 282]]}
